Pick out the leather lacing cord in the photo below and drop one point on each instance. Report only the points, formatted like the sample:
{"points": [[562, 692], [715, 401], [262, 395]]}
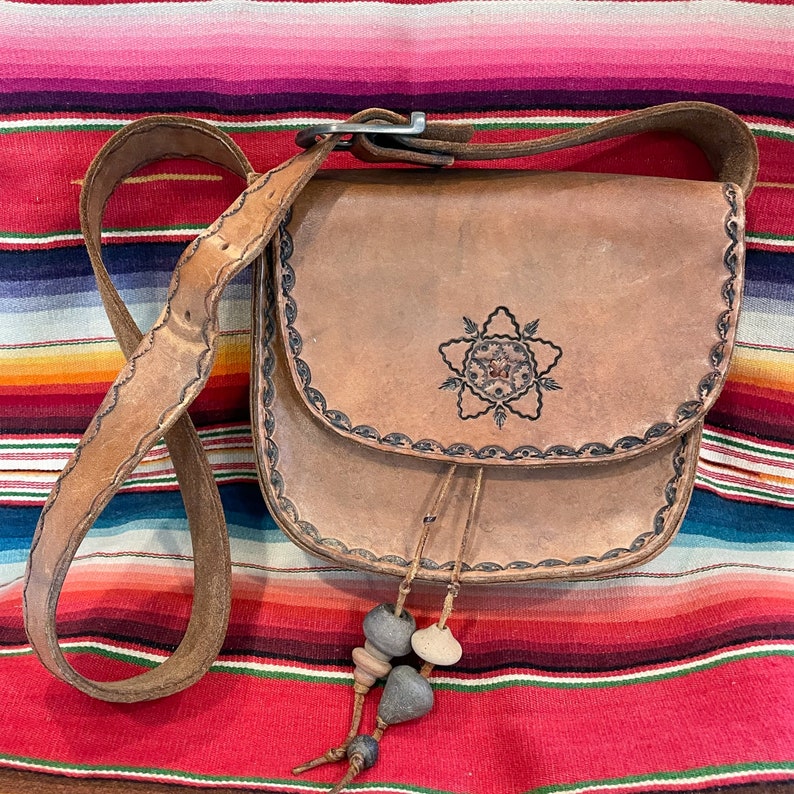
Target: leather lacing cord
{"points": [[181, 346]]}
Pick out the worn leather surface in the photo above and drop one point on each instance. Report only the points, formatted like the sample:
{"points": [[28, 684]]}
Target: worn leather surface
{"points": [[172, 361], [631, 284]]}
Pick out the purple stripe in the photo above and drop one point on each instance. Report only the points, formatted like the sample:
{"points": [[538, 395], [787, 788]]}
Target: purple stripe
{"points": [[742, 101], [263, 86]]}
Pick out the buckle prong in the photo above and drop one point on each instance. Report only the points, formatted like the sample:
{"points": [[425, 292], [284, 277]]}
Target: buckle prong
{"points": [[308, 137]]}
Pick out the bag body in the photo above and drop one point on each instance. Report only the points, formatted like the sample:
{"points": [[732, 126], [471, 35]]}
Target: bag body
{"points": [[566, 332]]}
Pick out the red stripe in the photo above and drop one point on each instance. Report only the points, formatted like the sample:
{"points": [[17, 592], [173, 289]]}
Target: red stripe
{"points": [[69, 408], [199, 203], [238, 725], [763, 413]]}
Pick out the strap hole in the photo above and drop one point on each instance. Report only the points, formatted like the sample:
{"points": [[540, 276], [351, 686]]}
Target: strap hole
{"points": [[223, 246], [187, 316]]}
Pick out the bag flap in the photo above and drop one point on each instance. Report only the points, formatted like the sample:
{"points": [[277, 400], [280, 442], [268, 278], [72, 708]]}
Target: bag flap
{"points": [[510, 317]]}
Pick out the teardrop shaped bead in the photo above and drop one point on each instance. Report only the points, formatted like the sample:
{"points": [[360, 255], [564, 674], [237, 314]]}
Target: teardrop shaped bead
{"points": [[437, 646], [406, 696], [390, 634]]}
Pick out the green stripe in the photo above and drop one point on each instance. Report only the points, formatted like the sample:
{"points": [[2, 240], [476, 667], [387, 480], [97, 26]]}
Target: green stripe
{"points": [[80, 125], [187, 227], [112, 126], [639, 678], [739, 489], [39, 445], [646, 781], [782, 136], [660, 779], [771, 236], [65, 127], [764, 452]]}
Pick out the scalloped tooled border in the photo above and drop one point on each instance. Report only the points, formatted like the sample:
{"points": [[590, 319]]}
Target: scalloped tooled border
{"points": [[596, 449], [267, 397]]}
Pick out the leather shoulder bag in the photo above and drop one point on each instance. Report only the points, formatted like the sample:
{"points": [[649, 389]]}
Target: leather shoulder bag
{"points": [[462, 376]]}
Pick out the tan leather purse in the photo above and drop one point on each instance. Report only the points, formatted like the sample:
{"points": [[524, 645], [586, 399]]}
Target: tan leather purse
{"points": [[461, 376]]}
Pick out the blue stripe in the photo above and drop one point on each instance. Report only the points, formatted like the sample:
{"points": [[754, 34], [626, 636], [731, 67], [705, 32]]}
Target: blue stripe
{"points": [[709, 516]]}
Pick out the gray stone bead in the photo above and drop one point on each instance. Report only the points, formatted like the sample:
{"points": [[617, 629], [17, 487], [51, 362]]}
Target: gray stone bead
{"points": [[389, 634], [406, 696], [366, 747]]}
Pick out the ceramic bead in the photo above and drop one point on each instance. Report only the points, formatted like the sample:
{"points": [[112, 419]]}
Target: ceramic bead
{"points": [[368, 667], [437, 646], [373, 651], [391, 635], [366, 747], [406, 696]]}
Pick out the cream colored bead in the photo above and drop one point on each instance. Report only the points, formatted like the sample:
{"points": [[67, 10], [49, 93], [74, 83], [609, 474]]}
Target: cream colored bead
{"points": [[436, 646]]}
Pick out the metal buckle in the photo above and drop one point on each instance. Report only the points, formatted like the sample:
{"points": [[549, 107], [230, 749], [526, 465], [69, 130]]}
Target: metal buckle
{"points": [[308, 137]]}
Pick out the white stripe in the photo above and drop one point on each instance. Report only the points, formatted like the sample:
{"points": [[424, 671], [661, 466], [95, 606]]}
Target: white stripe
{"points": [[760, 127], [129, 234], [466, 684], [158, 776], [123, 234], [381, 18], [43, 240], [758, 445], [79, 322], [776, 242], [280, 785], [297, 122]]}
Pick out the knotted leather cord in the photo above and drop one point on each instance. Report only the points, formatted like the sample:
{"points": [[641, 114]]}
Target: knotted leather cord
{"points": [[169, 366], [360, 691], [453, 589]]}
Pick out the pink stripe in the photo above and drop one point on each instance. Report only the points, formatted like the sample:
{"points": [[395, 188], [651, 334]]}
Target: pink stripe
{"points": [[751, 458], [416, 36], [748, 482], [376, 67]]}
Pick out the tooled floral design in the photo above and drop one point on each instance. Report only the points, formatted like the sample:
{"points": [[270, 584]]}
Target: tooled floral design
{"points": [[500, 367]]}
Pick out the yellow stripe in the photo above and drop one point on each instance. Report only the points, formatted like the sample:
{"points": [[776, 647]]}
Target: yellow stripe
{"points": [[767, 369], [98, 363]]}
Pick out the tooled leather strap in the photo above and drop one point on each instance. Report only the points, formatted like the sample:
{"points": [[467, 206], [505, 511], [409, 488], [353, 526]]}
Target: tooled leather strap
{"points": [[168, 367]]}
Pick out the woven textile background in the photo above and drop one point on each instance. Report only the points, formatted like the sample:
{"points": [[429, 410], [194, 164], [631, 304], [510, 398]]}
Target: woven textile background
{"points": [[678, 676]]}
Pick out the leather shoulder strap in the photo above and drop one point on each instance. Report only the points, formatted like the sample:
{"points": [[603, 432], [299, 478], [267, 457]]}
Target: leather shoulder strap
{"points": [[165, 371], [168, 366], [721, 135]]}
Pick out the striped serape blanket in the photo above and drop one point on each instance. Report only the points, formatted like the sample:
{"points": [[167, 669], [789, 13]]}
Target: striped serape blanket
{"points": [[674, 677]]}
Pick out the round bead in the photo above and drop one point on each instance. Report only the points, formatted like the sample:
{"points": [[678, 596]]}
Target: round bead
{"points": [[406, 696], [368, 668], [366, 748], [436, 645], [390, 634]]}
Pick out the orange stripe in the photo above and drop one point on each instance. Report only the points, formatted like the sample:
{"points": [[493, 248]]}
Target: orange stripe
{"points": [[765, 369], [99, 364]]}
